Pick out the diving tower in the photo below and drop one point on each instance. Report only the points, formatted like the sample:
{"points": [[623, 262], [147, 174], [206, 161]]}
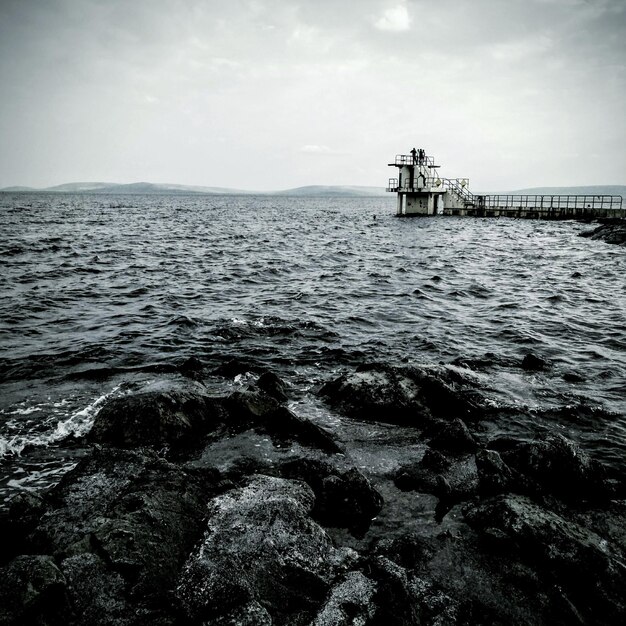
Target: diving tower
{"points": [[422, 191]]}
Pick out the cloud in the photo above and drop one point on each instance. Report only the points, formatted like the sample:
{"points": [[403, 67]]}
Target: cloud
{"points": [[394, 19]]}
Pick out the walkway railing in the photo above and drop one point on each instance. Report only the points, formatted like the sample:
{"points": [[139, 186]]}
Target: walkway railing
{"points": [[556, 203]]}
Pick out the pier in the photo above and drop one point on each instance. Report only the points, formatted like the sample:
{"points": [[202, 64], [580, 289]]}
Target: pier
{"points": [[422, 191]]}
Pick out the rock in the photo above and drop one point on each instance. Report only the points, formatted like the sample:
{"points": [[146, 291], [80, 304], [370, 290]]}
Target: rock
{"points": [[533, 363], [235, 367], [435, 461], [406, 395], [163, 414], [286, 426], [494, 475], [565, 555], [454, 437], [557, 466], [612, 232], [192, 368], [133, 518], [260, 548], [272, 385], [31, 587], [573, 377], [18, 521], [404, 598], [350, 602], [343, 498], [250, 404]]}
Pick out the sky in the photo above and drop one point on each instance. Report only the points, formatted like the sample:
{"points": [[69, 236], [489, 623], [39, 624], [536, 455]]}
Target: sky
{"points": [[269, 94]]}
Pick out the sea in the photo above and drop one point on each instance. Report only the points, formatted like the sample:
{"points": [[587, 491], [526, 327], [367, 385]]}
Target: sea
{"points": [[103, 294]]}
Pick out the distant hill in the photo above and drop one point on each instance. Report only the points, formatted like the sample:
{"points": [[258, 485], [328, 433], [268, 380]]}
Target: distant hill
{"points": [[324, 190], [310, 190], [163, 188], [591, 190]]}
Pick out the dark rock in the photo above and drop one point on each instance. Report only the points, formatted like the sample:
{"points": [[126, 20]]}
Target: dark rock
{"points": [[565, 555], [31, 588], [576, 275], [18, 521], [192, 367], [435, 461], [133, 519], [454, 436], [533, 363], [404, 598], [261, 555], [162, 414], [285, 425], [613, 232], [407, 395], [272, 385], [343, 498], [235, 367], [494, 475], [573, 377], [250, 404], [557, 466]]}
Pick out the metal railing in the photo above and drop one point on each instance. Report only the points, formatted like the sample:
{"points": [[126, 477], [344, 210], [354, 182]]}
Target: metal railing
{"points": [[557, 203], [409, 159]]}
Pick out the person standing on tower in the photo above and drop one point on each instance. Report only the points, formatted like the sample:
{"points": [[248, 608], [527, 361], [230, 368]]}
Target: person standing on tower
{"points": [[413, 154]]}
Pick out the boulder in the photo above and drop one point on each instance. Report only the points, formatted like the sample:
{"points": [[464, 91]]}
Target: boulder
{"points": [[350, 602], [612, 232], [555, 465], [565, 555], [494, 475], [401, 395], [455, 437], [534, 363], [31, 588], [261, 554], [343, 498], [132, 518], [272, 385], [163, 414]]}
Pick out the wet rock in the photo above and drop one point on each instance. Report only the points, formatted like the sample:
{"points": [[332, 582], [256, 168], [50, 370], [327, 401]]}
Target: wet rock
{"points": [[557, 466], [404, 598], [455, 437], [286, 426], [98, 593], [192, 368], [172, 414], [18, 521], [343, 498], [406, 395], [612, 232], [533, 363], [250, 404], [272, 385], [135, 516], [435, 461], [260, 549], [565, 555], [350, 602], [236, 367], [31, 588], [494, 475]]}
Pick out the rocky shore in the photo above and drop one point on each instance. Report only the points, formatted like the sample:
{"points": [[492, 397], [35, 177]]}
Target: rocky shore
{"points": [[610, 231], [197, 509]]}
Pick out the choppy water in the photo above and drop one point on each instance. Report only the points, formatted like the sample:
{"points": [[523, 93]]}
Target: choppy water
{"points": [[100, 294]]}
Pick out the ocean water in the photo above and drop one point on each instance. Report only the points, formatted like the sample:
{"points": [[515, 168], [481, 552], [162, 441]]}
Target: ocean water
{"points": [[101, 294]]}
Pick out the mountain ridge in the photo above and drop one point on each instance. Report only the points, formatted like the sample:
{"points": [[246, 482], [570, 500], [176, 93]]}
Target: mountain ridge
{"points": [[306, 190]]}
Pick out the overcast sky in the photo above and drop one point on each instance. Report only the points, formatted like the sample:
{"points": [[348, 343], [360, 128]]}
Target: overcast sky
{"points": [[269, 94]]}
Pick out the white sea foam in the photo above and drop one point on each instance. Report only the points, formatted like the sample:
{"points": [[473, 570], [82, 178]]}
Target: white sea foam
{"points": [[76, 425]]}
